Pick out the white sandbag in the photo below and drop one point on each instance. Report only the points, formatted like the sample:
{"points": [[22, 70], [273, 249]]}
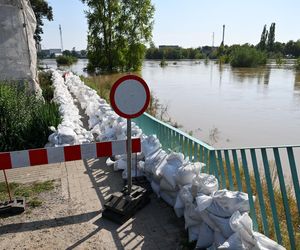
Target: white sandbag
{"points": [[175, 159], [226, 202], [169, 171], [168, 167], [185, 195], [157, 168], [203, 201], [179, 207], [219, 239], [193, 232], [242, 224], [149, 145], [153, 161], [155, 187], [204, 183], [234, 242], [190, 216], [165, 185], [223, 224], [264, 243], [206, 236], [66, 135], [186, 173], [121, 164], [167, 198]]}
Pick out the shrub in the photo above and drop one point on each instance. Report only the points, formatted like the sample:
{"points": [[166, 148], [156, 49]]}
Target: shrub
{"points": [[24, 119], [66, 60], [246, 56], [45, 83]]}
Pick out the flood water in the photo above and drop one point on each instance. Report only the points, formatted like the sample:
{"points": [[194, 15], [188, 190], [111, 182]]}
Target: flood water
{"points": [[223, 106]]}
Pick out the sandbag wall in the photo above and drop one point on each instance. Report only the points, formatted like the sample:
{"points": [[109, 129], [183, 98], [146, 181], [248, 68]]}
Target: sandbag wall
{"points": [[214, 218]]}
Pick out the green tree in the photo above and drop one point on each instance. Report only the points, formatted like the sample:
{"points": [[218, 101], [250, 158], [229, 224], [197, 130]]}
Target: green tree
{"points": [[41, 10], [263, 39], [271, 38], [118, 32]]}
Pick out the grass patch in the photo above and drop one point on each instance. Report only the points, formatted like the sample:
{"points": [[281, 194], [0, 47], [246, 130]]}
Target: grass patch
{"points": [[29, 191], [24, 119], [45, 83]]}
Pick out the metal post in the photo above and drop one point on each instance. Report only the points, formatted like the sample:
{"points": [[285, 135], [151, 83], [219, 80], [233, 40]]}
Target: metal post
{"points": [[7, 186], [129, 150]]}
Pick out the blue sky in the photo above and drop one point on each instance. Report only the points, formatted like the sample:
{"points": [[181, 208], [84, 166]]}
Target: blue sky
{"points": [[188, 23]]}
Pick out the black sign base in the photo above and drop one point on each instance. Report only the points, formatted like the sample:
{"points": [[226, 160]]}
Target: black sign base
{"points": [[16, 206], [121, 206], [142, 182]]}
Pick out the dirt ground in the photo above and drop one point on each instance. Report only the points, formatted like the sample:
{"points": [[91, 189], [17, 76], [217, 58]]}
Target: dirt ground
{"points": [[70, 215]]}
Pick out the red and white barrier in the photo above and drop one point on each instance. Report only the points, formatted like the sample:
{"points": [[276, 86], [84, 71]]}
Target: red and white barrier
{"points": [[41, 156]]}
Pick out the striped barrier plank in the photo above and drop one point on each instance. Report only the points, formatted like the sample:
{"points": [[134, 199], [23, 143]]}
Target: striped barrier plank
{"points": [[41, 156]]}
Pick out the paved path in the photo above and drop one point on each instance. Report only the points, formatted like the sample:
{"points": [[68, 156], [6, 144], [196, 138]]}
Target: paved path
{"points": [[89, 183]]}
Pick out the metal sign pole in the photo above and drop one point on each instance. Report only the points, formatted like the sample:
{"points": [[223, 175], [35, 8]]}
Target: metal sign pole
{"points": [[7, 186], [129, 149]]}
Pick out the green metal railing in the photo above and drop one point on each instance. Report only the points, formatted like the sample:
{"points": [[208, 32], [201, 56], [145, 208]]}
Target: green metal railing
{"points": [[257, 171]]}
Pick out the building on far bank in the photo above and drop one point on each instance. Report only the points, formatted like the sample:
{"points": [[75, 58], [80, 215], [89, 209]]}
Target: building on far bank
{"points": [[47, 53]]}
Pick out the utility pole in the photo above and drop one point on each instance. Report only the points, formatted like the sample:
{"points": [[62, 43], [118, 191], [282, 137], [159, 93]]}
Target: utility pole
{"points": [[223, 34], [61, 40], [213, 39]]}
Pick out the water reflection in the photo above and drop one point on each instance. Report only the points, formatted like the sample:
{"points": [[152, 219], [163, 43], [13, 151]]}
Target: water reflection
{"points": [[260, 74], [297, 81]]}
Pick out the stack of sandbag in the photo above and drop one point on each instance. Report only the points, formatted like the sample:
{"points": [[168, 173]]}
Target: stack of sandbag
{"points": [[88, 98], [244, 237], [71, 130], [214, 218]]}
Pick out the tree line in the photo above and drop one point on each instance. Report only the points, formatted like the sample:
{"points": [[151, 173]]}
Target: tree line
{"points": [[169, 53], [119, 31]]}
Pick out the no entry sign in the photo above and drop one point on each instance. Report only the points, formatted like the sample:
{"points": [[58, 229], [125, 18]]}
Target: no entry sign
{"points": [[130, 96]]}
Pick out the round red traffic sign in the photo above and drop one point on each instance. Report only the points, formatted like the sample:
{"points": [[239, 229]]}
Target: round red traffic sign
{"points": [[130, 96]]}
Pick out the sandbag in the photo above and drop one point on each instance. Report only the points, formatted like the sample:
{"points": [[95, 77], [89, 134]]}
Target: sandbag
{"points": [[153, 160], [149, 145], [187, 173], [179, 206], [155, 187], [264, 243], [168, 198], [223, 224], [193, 232], [219, 239], [164, 185], [204, 183], [190, 216], [169, 173], [206, 236], [203, 201], [234, 242], [185, 195], [242, 225], [226, 202], [66, 135], [170, 168]]}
